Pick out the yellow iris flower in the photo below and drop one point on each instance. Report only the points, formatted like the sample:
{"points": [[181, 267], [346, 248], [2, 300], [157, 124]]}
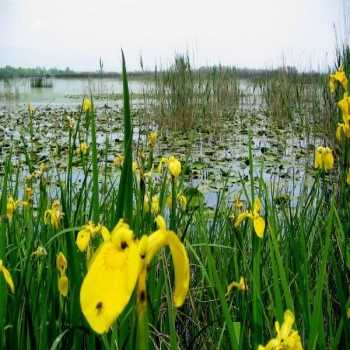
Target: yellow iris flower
{"points": [[31, 109], [163, 161], [29, 192], [152, 139], [7, 276], [118, 160], [155, 208], [119, 264], [344, 106], [39, 252], [12, 205], [254, 215], [89, 231], [174, 166], [53, 215], [63, 285], [61, 264], [83, 149], [324, 159], [87, 105], [181, 198], [241, 285], [340, 77], [287, 337], [343, 129]]}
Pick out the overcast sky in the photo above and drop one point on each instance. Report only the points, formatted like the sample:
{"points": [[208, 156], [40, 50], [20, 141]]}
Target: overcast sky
{"points": [[244, 33]]}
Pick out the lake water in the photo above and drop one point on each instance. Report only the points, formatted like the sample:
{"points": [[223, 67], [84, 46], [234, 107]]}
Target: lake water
{"points": [[218, 157], [63, 90]]}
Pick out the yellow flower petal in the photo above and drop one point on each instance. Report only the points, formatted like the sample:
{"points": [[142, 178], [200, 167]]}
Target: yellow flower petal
{"points": [[341, 78], [109, 284], [340, 131], [259, 226], [63, 285], [328, 159], [179, 255], [83, 239], [182, 201], [7, 276], [122, 236], [61, 263], [287, 324], [160, 221], [174, 166], [152, 139], [155, 208], [87, 105], [318, 158], [105, 233], [241, 217], [257, 206]]}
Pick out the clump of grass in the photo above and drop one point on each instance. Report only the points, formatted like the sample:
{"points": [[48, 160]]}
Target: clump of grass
{"points": [[187, 98]]}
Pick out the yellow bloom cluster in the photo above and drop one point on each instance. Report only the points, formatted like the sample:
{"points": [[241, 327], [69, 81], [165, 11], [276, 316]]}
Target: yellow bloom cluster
{"points": [[7, 276], [343, 129], [287, 338], [324, 159], [254, 215], [61, 264], [155, 206], [53, 215], [121, 263], [338, 77], [12, 205]]}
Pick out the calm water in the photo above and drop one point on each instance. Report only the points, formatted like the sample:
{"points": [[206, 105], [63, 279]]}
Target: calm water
{"points": [[218, 158], [20, 91]]}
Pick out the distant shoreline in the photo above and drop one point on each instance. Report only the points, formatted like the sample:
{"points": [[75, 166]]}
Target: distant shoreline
{"points": [[9, 72]]}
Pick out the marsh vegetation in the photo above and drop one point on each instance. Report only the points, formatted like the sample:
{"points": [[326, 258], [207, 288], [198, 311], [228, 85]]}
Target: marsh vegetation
{"points": [[224, 161]]}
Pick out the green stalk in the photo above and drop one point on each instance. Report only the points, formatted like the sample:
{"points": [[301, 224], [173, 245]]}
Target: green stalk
{"points": [[95, 190], [3, 228], [124, 206]]}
